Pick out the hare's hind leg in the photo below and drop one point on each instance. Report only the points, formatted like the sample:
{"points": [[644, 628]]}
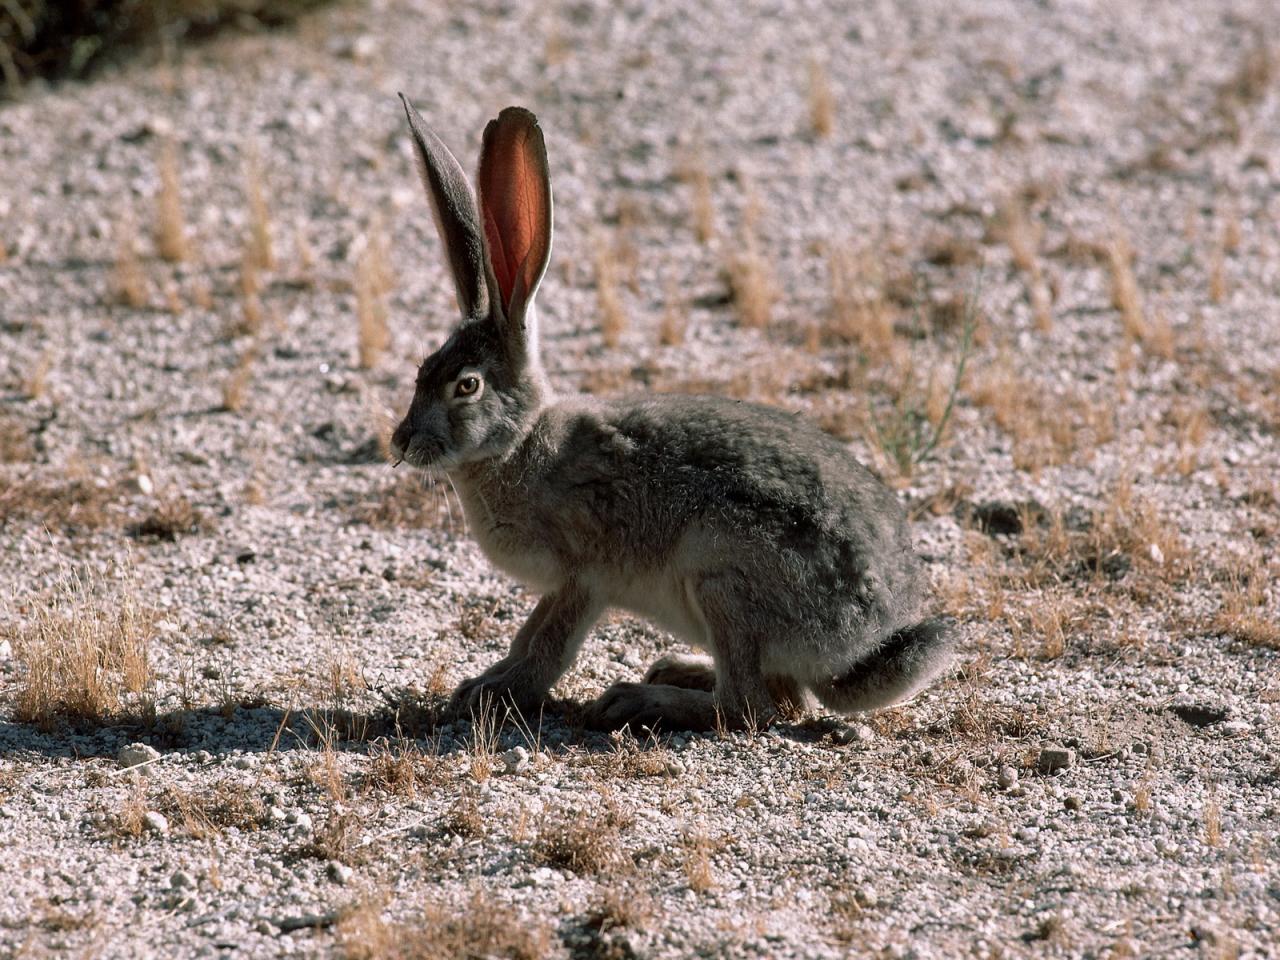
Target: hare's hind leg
{"points": [[740, 697], [540, 653], [690, 671]]}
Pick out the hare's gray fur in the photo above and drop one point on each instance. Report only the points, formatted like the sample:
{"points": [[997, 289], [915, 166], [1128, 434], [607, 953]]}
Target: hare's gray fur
{"points": [[742, 529]]}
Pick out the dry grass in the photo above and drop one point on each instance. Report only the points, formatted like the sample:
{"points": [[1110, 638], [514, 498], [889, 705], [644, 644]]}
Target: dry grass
{"points": [[1125, 293], [702, 206], [74, 501], [372, 283], [171, 517], [203, 814], [587, 840], [259, 249], [749, 272], [1243, 613], [862, 310], [1014, 226], [235, 388], [129, 281], [85, 651], [36, 380], [697, 863], [409, 500], [613, 318], [822, 102], [171, 225], [15, 445], [483, 928], [674, 324]]}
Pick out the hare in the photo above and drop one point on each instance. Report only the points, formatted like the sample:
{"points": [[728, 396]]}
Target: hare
{"points": [[741, 529]]}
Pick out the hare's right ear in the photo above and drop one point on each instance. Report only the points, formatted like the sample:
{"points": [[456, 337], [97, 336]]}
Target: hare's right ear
{"points": [[455, 213]]}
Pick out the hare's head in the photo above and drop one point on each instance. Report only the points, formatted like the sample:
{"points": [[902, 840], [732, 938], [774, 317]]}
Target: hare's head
{"points": [[477, 394]]}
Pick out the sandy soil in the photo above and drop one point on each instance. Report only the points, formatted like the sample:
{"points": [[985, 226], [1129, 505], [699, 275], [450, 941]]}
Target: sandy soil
{"points": [[1090, 189]]}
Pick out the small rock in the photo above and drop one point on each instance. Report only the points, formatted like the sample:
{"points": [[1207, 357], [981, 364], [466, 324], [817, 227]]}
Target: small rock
{"points": [[867, 896], [1054, 757], [300, 820], [1073, 802], [136, 753], [340, 873], [1236, 728], [181, 880], [1007, 778], [515, 760], [861, 733], [145, 486], [6, 650], [154, 822]]}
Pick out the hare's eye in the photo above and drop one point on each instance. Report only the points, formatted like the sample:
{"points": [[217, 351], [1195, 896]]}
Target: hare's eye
{"points": [[467, 386]]}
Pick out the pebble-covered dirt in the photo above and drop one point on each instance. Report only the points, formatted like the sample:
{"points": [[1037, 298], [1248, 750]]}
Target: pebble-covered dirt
{"points": [[1024, 258]]}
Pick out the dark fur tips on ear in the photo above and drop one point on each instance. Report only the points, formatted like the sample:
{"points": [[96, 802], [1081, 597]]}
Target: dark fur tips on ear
{"points": [[515, 200], [454, 207]]}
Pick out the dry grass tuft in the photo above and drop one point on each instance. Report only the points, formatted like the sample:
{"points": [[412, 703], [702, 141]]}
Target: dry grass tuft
{"points": [[129, 281], [36, 381], [408, 500], [15, 444], [697, 863], [613, 318], [171, 225], [822, 102], [702, 206], [750, 273], [1125, 294], [862, 311], [1022, 235], [235, 389], [74, 502], [259, 249], [587, 840], [482, 928], [173, 516], [1243, 613], [85, 652], [372, 283], [675, 321]]}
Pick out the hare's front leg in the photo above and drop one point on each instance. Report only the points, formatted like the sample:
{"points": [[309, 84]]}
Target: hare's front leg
{"points": [[542, 650]]}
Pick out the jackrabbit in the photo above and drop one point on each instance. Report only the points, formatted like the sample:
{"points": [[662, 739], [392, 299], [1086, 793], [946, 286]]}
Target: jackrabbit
{"points": [[742, 529]]}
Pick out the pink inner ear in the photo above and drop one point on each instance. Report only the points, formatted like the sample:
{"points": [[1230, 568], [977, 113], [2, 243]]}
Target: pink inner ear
{"points": [[515, 200]]}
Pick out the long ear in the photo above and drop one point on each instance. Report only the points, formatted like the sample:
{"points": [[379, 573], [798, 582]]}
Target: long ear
{"points": [[455, 214], [515, 200]]}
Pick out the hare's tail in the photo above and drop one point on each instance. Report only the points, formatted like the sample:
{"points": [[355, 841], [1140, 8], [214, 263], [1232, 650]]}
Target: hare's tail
{"points": [[900, 668]]}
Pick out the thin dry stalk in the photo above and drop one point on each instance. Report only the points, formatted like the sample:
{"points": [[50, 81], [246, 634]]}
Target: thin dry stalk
{"points": [[822, 102], [371, 284], [171, 226], [613, 318], [675, 321], [702, 207], [259, 249], [36, 382], [1125, 294], [860, 313], [235, 389], [749, 272], [129, 283]]}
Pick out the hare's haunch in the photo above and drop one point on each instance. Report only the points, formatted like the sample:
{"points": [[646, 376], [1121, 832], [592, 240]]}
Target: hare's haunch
{"points": [[743, 530]]}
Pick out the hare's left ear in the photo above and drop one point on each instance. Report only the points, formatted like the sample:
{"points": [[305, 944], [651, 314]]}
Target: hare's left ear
{"points": [[515, 208]]}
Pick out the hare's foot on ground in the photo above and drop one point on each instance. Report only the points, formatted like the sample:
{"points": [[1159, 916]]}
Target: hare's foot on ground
{"points": [[688, 671], [496, 690]]}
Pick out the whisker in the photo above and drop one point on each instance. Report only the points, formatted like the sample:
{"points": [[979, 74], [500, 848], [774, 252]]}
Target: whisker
{"points": [[465, 526]]}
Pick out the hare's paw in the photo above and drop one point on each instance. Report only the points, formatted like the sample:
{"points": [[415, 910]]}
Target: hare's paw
{"points": [[683, 670], [649, 705], [495, 692]]}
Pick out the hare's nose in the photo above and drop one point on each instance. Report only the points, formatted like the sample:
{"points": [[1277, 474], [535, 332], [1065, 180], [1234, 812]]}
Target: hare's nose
{"points": [[400, 439]]}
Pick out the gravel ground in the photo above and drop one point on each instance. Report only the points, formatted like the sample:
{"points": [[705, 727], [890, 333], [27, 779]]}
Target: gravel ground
{"points": [[1101, 777]]}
